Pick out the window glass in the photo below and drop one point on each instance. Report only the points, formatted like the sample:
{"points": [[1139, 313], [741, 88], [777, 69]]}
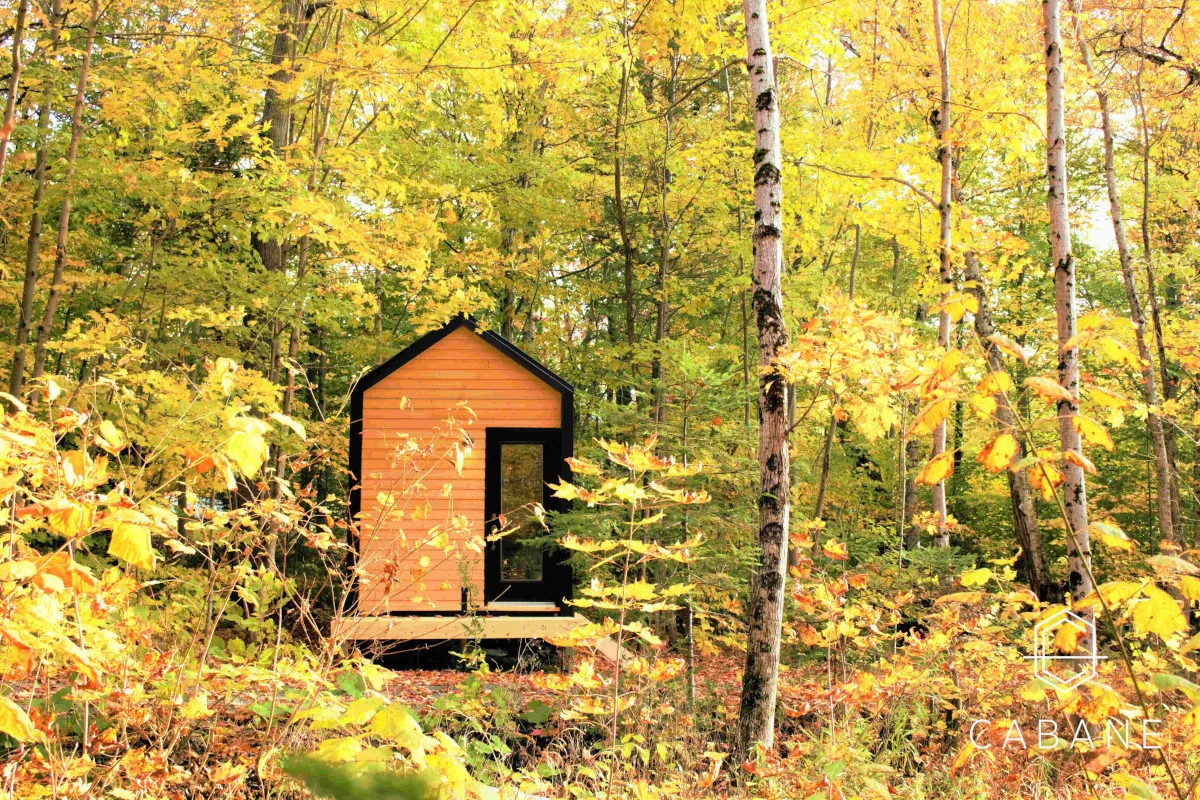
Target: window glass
{"points": [[520, 486]]}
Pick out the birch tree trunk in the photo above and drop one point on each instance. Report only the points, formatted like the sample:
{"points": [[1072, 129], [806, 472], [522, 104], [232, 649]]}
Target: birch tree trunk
{"points": [[64, 211], [946, 232], [14, 80], [1074, 486], [1163, 477], [756, 719]]}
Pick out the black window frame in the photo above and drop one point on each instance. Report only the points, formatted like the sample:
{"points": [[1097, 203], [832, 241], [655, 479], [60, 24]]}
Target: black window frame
{"points": [[555, 585]]}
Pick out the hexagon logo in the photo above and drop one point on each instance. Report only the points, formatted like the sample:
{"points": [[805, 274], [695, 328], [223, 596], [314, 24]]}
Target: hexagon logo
{"points": [[1064, 671]]}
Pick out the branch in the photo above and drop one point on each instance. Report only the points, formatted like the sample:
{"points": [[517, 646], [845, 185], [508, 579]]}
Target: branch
{"points": [[917, 190]]}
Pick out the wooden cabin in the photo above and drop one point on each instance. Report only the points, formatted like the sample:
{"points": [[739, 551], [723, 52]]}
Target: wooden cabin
{"points": [[432, 480]]}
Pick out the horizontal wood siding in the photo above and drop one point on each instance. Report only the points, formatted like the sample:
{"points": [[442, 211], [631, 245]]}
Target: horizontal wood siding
{"points": [[502, 393]]}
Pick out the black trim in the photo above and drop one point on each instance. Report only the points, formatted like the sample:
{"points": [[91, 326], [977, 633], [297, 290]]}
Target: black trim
{"points": [[408, 354], [556, 577]]}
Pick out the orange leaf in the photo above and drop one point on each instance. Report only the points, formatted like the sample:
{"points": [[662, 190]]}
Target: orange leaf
{"points": [[835, 550], [938, 469], [927, 421], [999, 452]]}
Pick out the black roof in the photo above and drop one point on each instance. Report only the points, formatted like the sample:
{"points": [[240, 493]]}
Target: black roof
{"points": [[433, 337]]}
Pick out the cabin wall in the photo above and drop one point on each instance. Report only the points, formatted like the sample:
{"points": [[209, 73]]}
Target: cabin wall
{"points": [[461, 367]]}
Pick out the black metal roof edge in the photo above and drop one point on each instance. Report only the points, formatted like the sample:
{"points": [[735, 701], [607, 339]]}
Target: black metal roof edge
{"points": [[497, 341]]}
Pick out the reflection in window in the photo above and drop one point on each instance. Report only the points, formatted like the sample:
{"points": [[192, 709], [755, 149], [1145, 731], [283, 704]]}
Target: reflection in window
{"points": [[520, 485]]}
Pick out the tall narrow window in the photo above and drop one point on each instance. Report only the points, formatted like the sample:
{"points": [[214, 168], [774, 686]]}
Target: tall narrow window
{"points": [[520, 487]]}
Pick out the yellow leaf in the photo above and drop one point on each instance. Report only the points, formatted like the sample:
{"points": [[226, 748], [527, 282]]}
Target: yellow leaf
{"points": [[927, 421], [938, 469], [1092, 432], [109, 438], [131, 543], [999, 453], [975, 577], [994, 383], [294, 424], [1158, 613], [1112, 536], [248, 450], [959, 597], [1066, 639], [1119, 352], [984, 406], [947, 366], [1190, 588], [16, 723], [1107, 398], [1049, 390]]}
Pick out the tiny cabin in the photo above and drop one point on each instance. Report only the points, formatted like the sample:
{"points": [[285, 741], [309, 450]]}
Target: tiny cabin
{"points": [[432, 481]]}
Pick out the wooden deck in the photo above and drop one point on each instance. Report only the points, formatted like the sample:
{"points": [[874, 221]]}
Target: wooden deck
{"points": [[431, 628]]}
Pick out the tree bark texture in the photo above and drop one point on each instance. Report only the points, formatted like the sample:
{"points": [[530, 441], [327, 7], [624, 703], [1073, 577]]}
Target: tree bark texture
{"points": [[756, 720], [946, 240], [1074, 486], [14, 80]]}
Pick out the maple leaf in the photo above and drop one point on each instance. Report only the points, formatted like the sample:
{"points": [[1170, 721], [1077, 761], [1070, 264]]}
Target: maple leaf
{"points": [[998, 453], [930, 418], [1158, 613], [1092, 432], [938, 469]]}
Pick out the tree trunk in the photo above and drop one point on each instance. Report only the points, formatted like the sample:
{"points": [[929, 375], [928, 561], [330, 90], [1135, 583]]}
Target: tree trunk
{"points": [[946, 229], [1074, 486], [64, 212], [622, 219], [1168, 383], [1025, 521], [1163, 473], [664, 252], [14, 80], [33, 244], [756, 719]]}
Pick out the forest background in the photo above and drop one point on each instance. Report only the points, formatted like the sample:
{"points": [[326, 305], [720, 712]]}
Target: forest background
{"points": [[216, 216]]}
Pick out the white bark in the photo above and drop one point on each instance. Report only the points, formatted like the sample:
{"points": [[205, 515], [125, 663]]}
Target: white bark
{"points": [[1075, 487], [756, 722], [946, 241]]}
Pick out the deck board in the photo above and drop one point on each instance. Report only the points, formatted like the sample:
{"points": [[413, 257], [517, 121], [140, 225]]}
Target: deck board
{"points": [[439, 628]]}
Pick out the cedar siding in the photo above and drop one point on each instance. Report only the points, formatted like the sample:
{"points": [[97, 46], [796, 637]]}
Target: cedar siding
{"points": [[504, 391]]}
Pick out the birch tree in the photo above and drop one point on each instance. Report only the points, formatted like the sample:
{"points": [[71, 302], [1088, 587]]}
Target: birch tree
{"points": [[756, 719], [1074, 485], [945, 243]]}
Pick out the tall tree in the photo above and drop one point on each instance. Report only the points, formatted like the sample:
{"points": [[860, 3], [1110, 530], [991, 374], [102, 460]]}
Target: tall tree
{"points": [[64, 211], [756, 719], [1074, 485], [945, 243], [1163, 473], [14, 80], [33, 243]]}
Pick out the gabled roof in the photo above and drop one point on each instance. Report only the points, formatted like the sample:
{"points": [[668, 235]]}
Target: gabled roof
{"points": [[433, 337]]}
